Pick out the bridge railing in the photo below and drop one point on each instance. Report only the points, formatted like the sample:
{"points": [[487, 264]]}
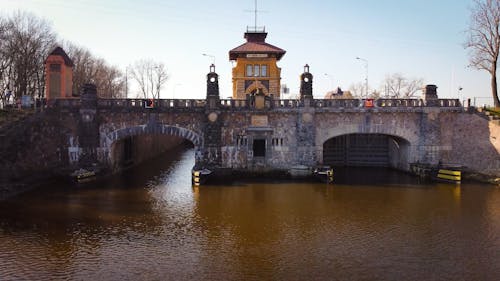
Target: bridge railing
{"points": [[64, 103], [181, 103], [384, 103], [337, 103], [235, 103], [399, 103], [287, 103], [142, 103], [449, 103], [240, 103]]}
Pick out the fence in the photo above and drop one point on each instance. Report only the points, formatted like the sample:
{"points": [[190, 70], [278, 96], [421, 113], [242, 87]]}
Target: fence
{"points": [[481, 101]]}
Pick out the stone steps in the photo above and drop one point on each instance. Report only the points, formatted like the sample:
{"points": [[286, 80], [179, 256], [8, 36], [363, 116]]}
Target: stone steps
{"points": [[488, 115]]}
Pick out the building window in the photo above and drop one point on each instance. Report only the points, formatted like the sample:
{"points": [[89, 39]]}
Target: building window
{"points": [[257, 70], [249, 72], [263, 70]]}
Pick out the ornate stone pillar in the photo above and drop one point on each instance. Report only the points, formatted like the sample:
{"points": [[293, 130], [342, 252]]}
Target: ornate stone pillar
{"points": [[306, 137], [210, 153], [88, 126]]}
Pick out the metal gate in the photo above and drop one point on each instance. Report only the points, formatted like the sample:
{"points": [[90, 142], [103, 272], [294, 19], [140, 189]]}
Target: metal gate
{"points": [[357, 150]]}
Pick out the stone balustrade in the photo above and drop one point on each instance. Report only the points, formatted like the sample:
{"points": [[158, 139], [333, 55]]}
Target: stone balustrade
{"points": [[158, 103], [269, 103]]}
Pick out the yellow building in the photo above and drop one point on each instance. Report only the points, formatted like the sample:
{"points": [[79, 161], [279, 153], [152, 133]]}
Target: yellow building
{"points": [[256, 66]]}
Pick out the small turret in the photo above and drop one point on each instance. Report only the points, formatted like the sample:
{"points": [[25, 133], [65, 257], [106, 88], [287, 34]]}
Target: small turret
{"points": [[212, 83], [306, 80]]}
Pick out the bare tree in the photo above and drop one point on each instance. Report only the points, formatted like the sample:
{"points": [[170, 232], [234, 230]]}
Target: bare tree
{"points": [[398, 86], [150, 76], [375, 95], [4, 59], [87, 68], [357, 90], [483, 40], [26, 40]]}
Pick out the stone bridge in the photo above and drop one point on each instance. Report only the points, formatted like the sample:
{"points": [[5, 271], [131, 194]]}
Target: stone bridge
{"points": [[258, 134]]}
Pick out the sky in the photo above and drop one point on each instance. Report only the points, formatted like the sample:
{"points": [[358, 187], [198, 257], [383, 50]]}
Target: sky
{"points": [[417, 38]]}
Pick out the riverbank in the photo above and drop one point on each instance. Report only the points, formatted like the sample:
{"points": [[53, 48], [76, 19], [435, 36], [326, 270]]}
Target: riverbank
{"points": [[9, 189], [12, 187], [482, 178]]}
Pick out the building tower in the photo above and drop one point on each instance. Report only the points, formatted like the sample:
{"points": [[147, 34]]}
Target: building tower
{"points": [[58, 75], [256, 70]]}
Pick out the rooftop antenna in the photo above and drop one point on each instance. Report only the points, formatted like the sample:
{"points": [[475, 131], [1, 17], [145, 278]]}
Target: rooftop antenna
{"points": [[255, 11]]}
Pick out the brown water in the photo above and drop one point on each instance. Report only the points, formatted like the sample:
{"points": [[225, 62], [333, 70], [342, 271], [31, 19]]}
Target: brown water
{"points": [[150, 224]]}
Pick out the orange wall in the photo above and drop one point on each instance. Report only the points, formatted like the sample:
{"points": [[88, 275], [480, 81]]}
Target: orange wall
{"points": [[66, 81], [273, 75]]}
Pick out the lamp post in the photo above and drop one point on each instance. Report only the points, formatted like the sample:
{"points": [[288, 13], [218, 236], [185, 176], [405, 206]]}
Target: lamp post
{"points": [[366, 76], [126, 82], [331, 81], [175, 86], [210, 56], [459, 90]]}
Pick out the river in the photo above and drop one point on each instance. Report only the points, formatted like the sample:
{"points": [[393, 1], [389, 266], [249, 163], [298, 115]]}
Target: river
{"points": [[151, 224]]}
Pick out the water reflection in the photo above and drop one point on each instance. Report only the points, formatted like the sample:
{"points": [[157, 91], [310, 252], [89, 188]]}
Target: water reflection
{"points": [[149, 223]]}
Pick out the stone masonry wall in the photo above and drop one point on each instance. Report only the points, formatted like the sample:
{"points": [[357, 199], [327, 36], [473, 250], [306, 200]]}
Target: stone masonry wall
{"points": [[280, 135], [37, 148], [474, 142], [117, 125], [50, 142], [144, 147]]}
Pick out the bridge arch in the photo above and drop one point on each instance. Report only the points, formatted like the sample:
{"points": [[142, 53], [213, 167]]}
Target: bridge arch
{"points": [[119, 144], [402, 132], [367, 149], [162, 129]]}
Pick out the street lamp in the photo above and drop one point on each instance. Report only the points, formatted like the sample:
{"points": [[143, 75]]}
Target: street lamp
{"points": [[331, 81], [366, 77], [210, 56], [459, 90], [126, 82], [175, 86]]}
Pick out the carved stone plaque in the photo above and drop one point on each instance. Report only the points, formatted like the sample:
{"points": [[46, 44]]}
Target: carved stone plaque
{"points": [[259, 121]]}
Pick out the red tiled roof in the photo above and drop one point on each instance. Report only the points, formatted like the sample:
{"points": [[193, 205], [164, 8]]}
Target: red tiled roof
{"points": [[256, 48], [256, 45]]}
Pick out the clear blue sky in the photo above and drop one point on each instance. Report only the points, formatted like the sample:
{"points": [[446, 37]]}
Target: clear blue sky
{"points": [[418, 38]]}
